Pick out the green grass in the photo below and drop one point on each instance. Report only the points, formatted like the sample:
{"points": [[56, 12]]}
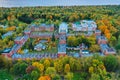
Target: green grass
{"points": [[4, 75], [52, 50]]}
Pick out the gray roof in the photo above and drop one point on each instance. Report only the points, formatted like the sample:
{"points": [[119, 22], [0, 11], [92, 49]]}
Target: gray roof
{"points": [[63, 27], [7, 34], [18, 38], [101, 37], [62, 48], [46, 25]]}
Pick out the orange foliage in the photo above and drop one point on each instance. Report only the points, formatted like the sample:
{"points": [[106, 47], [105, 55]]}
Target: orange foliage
{"points": [[8, 18], [108, 35], [106, 31], [49, 40], [107, 28], [12, 28], [20, 51], [102, 28], [44, 78], [51, 17]]}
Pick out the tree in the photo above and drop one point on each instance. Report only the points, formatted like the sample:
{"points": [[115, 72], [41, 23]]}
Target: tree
{"points": [[67, 68], [72, 41], [29, 69], [69, 76], [56, 77], [94, 48], [50, 71], [113, 40], [58, 66], [3, 62], [41, 68], [46, 63], [72, 64], [35, 75], [117, 46], [0, 36], [20, 68], [102, 28], [44, 78], [53, 37], [95, 77], [111, 63]]}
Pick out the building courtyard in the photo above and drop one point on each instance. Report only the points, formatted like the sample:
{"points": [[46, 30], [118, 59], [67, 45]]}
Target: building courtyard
{"points": [[52, 43]]}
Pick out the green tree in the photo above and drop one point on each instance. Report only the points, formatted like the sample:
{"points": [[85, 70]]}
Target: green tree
{"points": [[72, 41], [94, 48], [53, 37], [95, 77], [50, 71], [46, 63], [35, 75], [20, 68], [111, 63], [67, 68], [3, 62], [69, 76]]}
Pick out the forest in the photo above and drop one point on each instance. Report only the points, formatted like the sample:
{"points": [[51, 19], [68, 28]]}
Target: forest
{"points": [[68, 68]]}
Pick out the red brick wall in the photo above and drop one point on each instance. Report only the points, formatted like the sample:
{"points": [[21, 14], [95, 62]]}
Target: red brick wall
{"points": [[61, 54]]}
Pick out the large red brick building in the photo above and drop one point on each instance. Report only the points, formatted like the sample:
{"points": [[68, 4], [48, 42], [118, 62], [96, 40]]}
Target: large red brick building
{"points": [[43, 27]]}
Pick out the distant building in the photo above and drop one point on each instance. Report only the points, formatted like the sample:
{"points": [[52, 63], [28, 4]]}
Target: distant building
{"points": [[63, 28], [44, 35], [3, 26], [13, 50], [61, 50], [27, 32], [106, 50], [84, 25], [97, 32], [62, 39], [39, 47], [83, 46], [21, 39], [85, 53], [43, 27], [76, 55], [101, 40], [7, 34]]}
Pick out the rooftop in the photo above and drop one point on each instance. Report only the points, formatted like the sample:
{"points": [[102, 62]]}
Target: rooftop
{"points": [[46, 25], [62, 37], [63, 27], [6, 50], [111, 50], [97, 31], [27, 30], [104, 46], [42, 33], [43, 25], [62, 48], [7, 34], [18, 38], [101, 37], [76, 55], [88, 23], [39, 45]]}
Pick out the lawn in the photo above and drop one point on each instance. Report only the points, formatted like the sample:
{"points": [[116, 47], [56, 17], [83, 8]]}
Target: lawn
{"points": [[52, 50], [4, 75]]}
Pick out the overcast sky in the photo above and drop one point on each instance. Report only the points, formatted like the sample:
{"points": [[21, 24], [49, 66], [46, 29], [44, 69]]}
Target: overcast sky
{"points": [[17, 3]]}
